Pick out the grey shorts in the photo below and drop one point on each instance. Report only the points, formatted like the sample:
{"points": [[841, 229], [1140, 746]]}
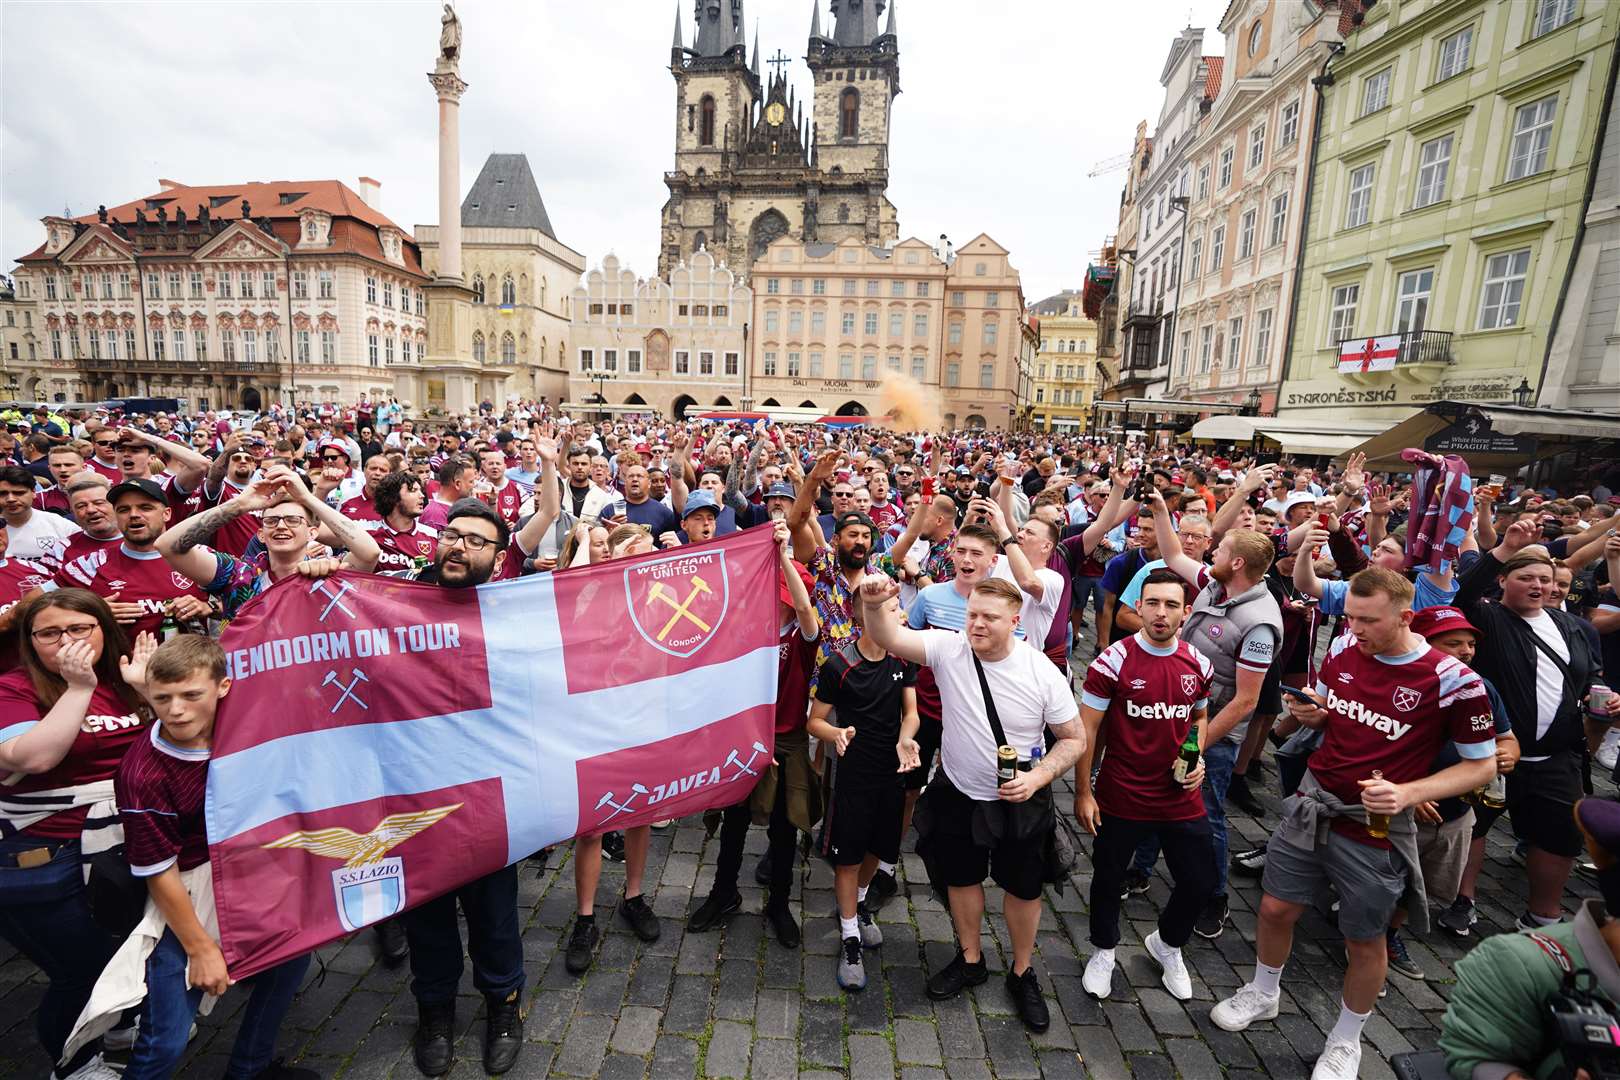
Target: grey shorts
{"points": [[1370, 881], [1442, 851]]}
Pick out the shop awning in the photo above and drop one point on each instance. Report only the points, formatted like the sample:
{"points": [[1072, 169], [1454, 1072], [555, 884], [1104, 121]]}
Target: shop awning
{"points": [[1555, 431], [1290, 434]]}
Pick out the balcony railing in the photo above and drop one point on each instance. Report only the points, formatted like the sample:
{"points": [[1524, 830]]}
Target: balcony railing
{"points": [[187, 367], [1144, 311], [1410, 347]]}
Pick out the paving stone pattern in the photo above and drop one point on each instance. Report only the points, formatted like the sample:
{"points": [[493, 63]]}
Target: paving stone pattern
{"points": [[734, 1003]]}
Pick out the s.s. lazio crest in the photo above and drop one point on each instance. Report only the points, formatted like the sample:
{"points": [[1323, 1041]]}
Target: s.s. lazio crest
{"points": [[368, 887], [677, 604]]}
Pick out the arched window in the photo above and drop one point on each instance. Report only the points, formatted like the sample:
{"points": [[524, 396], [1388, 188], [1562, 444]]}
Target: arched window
{"points": [[478, 348], [508, 290], [508, 349], [849, 113], [706, 121], [478, 288], [1085, 347], [700, 242]]}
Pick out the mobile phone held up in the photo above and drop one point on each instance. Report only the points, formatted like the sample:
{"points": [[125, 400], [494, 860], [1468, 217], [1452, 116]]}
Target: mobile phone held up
{"points": [[1299, 695]]}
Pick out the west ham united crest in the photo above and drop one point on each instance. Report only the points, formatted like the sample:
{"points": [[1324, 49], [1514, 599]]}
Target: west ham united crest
{"points": [[677, 604], [1189, 685], [1405, 698]]}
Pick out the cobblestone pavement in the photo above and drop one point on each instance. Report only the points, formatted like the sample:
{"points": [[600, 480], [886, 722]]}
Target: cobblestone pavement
{"points": [[734, 1003]]}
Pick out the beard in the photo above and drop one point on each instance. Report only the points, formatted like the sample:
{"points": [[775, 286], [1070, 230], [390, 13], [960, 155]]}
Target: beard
{"points": [[852, 558], [460, 573]]}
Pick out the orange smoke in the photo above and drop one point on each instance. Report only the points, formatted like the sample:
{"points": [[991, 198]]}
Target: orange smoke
{"points": [[908, 405]]}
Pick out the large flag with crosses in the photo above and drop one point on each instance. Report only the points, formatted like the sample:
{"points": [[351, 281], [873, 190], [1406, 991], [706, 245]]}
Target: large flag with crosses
{"points": [[386, 741]]}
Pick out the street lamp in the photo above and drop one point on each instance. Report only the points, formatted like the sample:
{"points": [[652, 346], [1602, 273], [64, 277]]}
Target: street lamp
{"points": [[1522, 392], [1251, 404]]}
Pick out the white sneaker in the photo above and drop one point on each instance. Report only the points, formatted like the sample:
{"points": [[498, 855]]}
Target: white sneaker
{"points": [[1099, 977], [1339, 1061], [95, 1069], [1173, 969], [1245, 1007], [1609, 749]]}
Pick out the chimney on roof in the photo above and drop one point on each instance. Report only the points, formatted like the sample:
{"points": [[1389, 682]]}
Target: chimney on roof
{"points": [[371, 193], [168, 185]]}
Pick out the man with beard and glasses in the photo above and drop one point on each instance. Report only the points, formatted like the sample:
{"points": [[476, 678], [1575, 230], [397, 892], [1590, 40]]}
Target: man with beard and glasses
{"points": [[131, 576], [470, 547], [1143, 696], [290, 514]]}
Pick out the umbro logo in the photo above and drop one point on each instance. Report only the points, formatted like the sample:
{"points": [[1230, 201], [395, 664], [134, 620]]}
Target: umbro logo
{"points": [[1138, 684], [1345, 676], [116, 584]]}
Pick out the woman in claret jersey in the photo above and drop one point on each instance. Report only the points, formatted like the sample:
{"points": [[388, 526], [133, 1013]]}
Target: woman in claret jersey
{"points": [[67, 715]]}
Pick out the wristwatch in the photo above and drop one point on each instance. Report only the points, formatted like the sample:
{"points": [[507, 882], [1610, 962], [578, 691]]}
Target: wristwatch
{"points": [[1011, 539]]}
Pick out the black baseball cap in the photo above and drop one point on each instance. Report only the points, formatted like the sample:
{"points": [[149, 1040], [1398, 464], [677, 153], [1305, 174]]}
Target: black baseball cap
{"points": [[143, 487], [852, 517]]}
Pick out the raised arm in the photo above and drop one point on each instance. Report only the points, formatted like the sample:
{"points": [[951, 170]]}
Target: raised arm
{"points": [[547, 502], [222, 461], [1485, 517], [681, 443], [803, 608], [363, 551], [1253, 480], [902, 546], [1305, 579], [880, 612], [800, 518], [181, 542], [1028, 581], [1170, 544], [188, 466]]}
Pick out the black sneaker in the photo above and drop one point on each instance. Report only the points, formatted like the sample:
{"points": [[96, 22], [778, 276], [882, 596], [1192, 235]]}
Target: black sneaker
{"points": [[391, 941], [1212, 920], [581, 946], [639, 917], [503, 1032], [431, 1043], [781, 920], [280, 1070], [1249, 863], [882, 889], [954, 976], [715, 909], [1400, 959], [1135, 882], [1026, 993], [1459, 918], [762, 871], [613, 846], [1239, 795]]}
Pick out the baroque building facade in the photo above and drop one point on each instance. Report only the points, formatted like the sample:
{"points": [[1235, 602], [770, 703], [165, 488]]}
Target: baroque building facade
{"points": [[1458, 142], [831, 320], [1249, 167], [230, 295], [750, 166], [655, 345], [1065, 377], [522, 279]]}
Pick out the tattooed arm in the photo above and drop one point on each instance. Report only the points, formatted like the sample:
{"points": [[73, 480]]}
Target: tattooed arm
{"points": [[363, 551], [181, 543]]}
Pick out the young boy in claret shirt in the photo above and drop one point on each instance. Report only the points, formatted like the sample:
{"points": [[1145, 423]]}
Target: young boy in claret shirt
{"points": [[160, 787]]}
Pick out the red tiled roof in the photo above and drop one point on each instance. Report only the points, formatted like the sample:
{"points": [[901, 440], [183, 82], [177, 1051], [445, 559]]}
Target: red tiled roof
{"points": [[1213, 66], [354, 225]]}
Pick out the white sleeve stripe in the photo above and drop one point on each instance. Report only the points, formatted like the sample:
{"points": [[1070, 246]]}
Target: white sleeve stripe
{"points": [[155, 869], [1477, 751], [1466, 693], [1092, 701]]}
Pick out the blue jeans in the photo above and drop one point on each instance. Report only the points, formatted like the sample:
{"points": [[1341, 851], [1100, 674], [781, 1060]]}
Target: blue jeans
{"points": [[1218, 762], [169, 1009], [44, 914], [1086, 588], [494, 940]]}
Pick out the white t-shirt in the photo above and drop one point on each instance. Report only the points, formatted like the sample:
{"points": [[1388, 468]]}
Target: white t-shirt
{"points": [[43, 536], [1035, 618], [1549, 680], [1031, 694]]}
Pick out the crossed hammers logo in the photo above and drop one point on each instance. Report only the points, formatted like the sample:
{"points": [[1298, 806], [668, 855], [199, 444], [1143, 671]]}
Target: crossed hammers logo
{"points": [[333, 600], [348, 691], [663, 593], [742, 768], [620, 808]]}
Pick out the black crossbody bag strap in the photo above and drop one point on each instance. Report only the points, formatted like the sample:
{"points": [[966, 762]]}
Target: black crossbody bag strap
{"points": [[1562, 665], [989, 704]]}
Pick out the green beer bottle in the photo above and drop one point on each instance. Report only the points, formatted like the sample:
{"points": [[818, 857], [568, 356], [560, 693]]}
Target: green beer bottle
{"points": [[1187, 760]]}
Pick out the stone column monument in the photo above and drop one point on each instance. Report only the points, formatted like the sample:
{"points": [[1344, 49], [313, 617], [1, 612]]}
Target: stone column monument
{"points": [[450, 380]]}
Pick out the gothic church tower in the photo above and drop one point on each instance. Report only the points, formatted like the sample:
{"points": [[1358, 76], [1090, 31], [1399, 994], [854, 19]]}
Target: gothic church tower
{"points": [[750, 166]]}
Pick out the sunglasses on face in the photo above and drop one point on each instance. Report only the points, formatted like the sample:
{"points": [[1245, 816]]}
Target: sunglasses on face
{"points": [[333, 457]]}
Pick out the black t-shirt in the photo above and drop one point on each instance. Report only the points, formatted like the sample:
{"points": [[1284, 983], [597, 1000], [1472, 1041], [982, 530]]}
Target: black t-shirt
{"points": [[577, 496], [867, 697]]}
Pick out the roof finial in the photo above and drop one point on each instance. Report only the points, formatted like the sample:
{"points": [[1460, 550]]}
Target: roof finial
{"points": [[889, 31], [756, 50], [815, 20], [679, 45]]}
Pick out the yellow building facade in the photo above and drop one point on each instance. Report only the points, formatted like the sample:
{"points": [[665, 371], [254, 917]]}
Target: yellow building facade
{"points": [[1065, 365]]}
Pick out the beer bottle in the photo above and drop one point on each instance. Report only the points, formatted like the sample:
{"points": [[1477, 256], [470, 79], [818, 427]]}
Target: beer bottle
{"points": [[1187, 759], [1377, 824], [170, 626]]}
